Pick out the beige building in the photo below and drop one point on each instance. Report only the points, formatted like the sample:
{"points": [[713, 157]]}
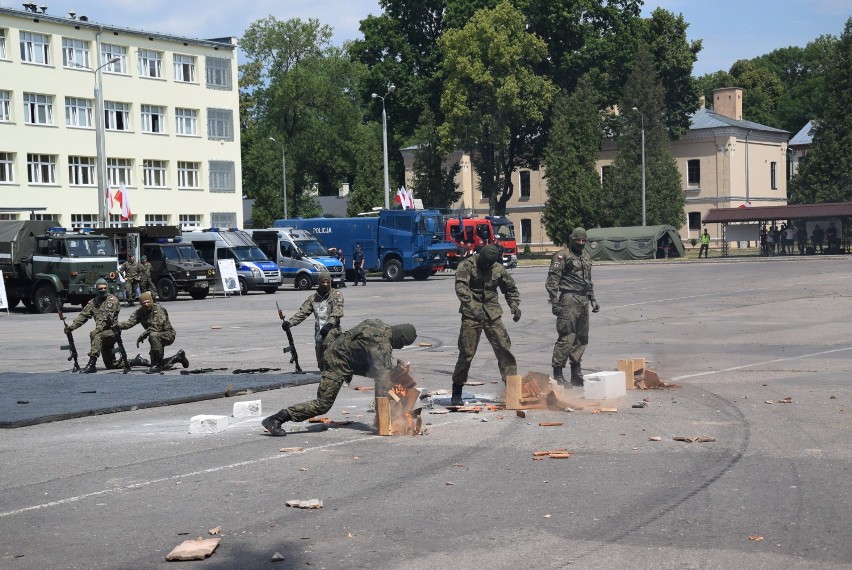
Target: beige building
{"points": [[171, 144], [725, 162]]}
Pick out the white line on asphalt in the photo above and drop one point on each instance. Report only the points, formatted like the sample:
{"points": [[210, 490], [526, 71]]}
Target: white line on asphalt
{"points": [[731, 369]]}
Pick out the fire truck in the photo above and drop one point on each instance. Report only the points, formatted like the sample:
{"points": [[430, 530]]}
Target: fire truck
{"points": [[472, 234]]}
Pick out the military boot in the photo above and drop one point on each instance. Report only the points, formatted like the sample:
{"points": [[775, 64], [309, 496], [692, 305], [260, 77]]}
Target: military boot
{"points": [[180, 357], [456, 400], [560, 379], [273, 423], [139, 361], [90, 366], [576, 374], [156, 365]]}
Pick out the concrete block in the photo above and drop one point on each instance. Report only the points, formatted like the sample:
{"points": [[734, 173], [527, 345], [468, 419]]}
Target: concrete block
{"points": [[248, 409], [604, 385], [208, 424]]}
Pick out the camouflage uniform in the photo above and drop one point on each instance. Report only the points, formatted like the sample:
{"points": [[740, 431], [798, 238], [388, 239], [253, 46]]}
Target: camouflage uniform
{"points": [[145, 283], [328, 309], [158, 329], [569, 287], [132, 272], [103, 312], [480, 310]]}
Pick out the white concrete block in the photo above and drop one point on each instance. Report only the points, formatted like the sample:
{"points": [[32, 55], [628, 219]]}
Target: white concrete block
{"points": [[249, 409], [604, 385], [208, 424]]}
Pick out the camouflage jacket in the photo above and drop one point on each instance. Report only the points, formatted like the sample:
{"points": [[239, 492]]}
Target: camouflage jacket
{"points": [[131, 271], [364, 350], [477, 290], [569, 273], [155, 320], [326, 308], [103, 311]]}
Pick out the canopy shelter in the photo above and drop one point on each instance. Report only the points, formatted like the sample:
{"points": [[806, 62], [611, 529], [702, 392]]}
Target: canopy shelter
{"points": [[633, 242], [746, 221]]}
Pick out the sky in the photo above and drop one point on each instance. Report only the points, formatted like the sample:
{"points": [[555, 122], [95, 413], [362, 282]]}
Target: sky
{"points": [[729, 29]]}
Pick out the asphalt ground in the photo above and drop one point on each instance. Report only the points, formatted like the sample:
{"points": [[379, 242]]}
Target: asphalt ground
{"points": [[772, 491]]}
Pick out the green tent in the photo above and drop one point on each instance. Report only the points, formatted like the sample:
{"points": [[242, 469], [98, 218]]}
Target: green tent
{"points": [[635, 242]]}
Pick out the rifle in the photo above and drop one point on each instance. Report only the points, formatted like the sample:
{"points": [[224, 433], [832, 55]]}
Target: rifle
{"points": [[200, 371], [71, 346], [294, 356], [117, 332], [254, 370]]}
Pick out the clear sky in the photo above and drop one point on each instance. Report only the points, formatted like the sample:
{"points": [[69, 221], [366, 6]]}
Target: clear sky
{"points": [[730, 29]]}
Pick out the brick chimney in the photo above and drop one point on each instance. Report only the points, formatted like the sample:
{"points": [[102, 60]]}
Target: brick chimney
{"points": [[728, 101]]}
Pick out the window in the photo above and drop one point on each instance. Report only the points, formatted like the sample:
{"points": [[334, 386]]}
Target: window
{"points": [[116, 222], [220, 124], [78, 112], [773, 174], [2, 44], [84, 221], [186, 121], [7, 161], [81, 171], [45, 217], [35, 48], [110, 52], [223, 219], [526, 230], [150, 63], [39, 109], [5, 106], [222, 176], [188, 174], [154, 173], [75, 53], [606, 172], [153, 119], [218, 72], [693, 172], [118, 171], [190, 221], [156, 219], [524, 176], [41, 168], [694, 220], [184, 68], [116, 116]]}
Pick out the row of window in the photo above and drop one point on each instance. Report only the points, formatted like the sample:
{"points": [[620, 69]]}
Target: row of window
{"points": [[38, 110], [185, 221], [76, 53], [42, 169]]}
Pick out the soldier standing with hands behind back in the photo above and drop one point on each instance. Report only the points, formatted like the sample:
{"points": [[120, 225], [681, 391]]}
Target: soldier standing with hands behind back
{"points": [[132, 273], [569, 286]]}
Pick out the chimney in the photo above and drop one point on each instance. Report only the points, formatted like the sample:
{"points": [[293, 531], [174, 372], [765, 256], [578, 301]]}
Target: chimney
{"points": [[702, 103], [728, 101]]}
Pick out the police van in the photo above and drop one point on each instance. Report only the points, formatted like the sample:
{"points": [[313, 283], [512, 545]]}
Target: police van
{"points": [[300, 256], [254, 270]]}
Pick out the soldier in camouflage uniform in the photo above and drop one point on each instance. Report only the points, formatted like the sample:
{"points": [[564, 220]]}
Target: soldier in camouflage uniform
{"points": [[365, 350], [569, 287], [104, 310], [145, 283], [477, 280], [327, 307], [158, 331], [132, 278]]}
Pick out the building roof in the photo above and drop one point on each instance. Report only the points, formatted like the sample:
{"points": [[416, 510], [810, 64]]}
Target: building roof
{"points": [[804, 137], [792, 212], [333, 206], [707, 119]]}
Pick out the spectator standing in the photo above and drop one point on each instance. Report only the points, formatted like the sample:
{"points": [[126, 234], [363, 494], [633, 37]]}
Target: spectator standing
{"points": [[358, 266], [705, 244]]}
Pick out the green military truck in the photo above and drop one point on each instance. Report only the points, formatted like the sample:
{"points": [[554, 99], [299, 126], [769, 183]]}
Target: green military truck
{"points": [[175, 265], [44, 265]]}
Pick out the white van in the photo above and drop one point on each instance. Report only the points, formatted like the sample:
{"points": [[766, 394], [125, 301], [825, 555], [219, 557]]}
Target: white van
{"points": [[254, 269], [300, 256]]}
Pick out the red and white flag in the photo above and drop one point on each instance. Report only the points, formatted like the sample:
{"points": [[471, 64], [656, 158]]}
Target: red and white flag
{"points": [[124, 202], [401, 198]]}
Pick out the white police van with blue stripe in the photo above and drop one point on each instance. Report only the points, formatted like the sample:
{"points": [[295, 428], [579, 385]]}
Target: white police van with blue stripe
{"points": [[300, 256], [254, 270]]}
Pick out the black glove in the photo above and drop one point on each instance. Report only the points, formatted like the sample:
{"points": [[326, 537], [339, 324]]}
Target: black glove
{"points": [[556, 309], [595, 307], [325, 329], [141, 339], [516, 314], [285, 325]]}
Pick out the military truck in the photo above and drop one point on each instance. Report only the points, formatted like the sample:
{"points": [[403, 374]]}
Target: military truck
{"points": [[175, 265], [44, 265]]}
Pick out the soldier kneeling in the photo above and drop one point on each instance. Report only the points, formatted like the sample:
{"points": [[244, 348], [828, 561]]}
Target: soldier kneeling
{"points": [[158, 331]]}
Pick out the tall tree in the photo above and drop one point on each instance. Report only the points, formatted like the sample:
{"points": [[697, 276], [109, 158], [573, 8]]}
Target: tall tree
{"points": [[368, 185], [826, 174], [573, 185], [493, 100], [623, 187], [434, 182]]}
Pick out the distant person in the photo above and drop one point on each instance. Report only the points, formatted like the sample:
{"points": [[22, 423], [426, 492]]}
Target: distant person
{"points": [[791, 238], [802, 237], [358, 266], [764, 242], [817, 237], [831, 238], [705, 244], [337, 252]]}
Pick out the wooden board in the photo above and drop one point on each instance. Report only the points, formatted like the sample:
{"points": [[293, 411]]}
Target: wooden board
{"points": [[383, 417], [630, 366]]}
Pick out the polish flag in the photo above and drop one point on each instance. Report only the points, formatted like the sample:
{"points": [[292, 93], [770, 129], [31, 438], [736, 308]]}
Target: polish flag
{"points": [[401, 198], [109, 200], [123, 201], [410, 195]]}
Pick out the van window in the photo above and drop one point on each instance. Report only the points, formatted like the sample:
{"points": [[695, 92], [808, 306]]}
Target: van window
{"points": [[153, 254], [206, 249]]}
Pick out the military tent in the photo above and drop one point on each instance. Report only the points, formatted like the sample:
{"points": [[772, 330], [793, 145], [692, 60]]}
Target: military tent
{"points": [[634, 242]]}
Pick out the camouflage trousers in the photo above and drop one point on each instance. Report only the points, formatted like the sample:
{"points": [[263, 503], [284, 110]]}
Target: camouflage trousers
{"points": [[573, 330], [327, 391], [321, 345], [132, 289], [469, 335], [103, 343], [159, 341]]}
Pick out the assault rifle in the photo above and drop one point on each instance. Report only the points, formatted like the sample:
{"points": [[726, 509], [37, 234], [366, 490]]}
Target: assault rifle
{"points": [[200, 371], [71, 346], [255, 370], [294, 357], [113, 325]]}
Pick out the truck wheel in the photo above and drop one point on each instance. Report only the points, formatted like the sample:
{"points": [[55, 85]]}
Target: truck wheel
{"points": [[421, 274], [243, 286], [303, 282], [393, 270], [199, 294], [166, 289], [44, 300]]}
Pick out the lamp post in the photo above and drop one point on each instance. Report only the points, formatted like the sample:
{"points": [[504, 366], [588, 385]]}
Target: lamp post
{"points": [[283, 175], [391, 89], [642, 122]]}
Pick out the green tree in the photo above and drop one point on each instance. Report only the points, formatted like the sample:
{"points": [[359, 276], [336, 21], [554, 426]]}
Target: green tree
{"points": [[368, 187], [826, 174], [761, 91], [493, 100], [573, 185], [434, 182]]}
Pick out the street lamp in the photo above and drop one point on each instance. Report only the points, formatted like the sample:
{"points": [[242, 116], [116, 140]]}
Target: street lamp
{"points": [[391, 89], [283, 175], [642, 122]]}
